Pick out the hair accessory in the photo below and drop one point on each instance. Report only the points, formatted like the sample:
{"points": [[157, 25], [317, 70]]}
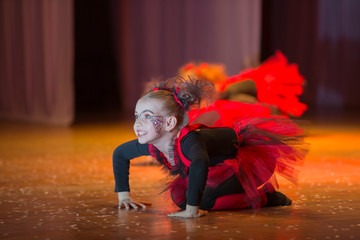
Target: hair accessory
{"points": [[172, 92]]}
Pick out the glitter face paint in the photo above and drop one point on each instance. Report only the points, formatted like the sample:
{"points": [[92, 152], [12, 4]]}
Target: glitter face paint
{"points": [[157, 122]]}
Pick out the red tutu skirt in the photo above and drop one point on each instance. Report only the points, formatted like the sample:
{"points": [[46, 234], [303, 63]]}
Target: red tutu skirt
{"points": [[267, 147]]}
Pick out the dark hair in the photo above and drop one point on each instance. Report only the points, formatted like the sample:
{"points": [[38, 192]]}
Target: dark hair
{"points": [[179, 95]]}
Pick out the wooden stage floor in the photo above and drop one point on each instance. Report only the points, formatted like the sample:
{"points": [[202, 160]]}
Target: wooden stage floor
{"points": [[57, 183]]}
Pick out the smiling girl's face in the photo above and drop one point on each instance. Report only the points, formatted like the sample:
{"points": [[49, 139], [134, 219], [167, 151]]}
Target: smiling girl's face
{"points": [[150, 120]]}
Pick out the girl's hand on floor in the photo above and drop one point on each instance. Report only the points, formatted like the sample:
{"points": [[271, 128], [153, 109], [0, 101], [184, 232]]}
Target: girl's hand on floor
{"points": [[125, 201], [189, 212], [129, 204]]}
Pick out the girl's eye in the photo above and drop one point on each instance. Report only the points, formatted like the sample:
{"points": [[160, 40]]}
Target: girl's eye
{"points": [[147, 116], [136, 117]]}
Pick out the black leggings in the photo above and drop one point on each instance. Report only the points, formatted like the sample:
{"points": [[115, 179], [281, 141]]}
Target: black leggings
{"points": [[229, 186]]}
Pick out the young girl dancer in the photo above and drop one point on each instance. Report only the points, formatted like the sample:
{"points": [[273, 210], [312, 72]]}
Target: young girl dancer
{"points": [[214, 167]]}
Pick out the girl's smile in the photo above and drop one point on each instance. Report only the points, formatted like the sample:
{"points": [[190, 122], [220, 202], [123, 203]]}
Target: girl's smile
{"points": [[140, 133]]}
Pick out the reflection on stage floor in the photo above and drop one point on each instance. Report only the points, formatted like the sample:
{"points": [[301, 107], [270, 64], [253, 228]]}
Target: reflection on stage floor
{"points": [[57, 183]]}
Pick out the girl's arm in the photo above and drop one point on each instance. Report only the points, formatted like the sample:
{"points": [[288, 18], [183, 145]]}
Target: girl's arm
{"points": [[194, 150], [204, 148], [121, 166]]}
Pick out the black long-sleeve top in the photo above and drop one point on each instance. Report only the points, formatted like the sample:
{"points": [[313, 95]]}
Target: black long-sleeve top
{"points": [[204, 148]]}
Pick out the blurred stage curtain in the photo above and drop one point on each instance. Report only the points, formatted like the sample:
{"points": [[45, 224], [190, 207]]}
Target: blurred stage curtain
{"points": [[36, 61], [323, 38], [154, 38], [338, 54]]}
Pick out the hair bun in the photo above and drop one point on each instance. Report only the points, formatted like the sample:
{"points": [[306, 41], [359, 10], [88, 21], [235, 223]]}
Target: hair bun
{"points": [[190, 92]]}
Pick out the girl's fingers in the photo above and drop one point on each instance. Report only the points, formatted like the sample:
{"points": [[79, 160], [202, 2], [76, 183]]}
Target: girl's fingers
{"points": [[172, 215], [179, 214], [134, 205], [141, 205], [185, 214], [126, 205], [145, 203]]}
